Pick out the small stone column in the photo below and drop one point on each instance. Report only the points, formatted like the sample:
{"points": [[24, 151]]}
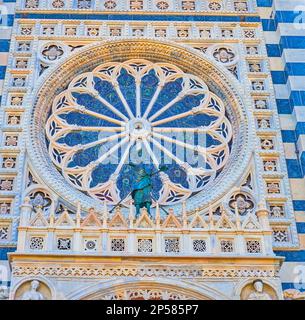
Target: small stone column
{"points": [[158, 239], [131, 216], [104, 235], [25, 212], [212, 233], [77, 238], [239, 238], [262, 215], [25, 217]]}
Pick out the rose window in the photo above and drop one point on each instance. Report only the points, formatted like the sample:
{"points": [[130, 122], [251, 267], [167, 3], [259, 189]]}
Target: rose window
{"points": [[138, 112]]}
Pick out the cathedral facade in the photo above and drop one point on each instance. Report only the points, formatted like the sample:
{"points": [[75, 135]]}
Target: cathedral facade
{"points": [[152, 150]]}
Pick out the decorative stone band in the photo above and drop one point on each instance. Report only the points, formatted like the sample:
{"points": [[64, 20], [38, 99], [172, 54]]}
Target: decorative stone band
{"points": [[58, 266]]}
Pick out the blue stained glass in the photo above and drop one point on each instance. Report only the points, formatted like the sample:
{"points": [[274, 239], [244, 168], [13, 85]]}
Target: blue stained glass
{"points": [[149, 85], [102, 174], [83, 158], [196, 121], [80, 119], [126, 179], [167, 94], [210, 141], [78, 137], [128, 87], [157, 185], [191, 121], [108, 92], [177, 175], [93, 104], [185, 104]]}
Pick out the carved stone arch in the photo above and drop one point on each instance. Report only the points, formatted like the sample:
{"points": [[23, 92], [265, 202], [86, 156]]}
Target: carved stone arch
{"points": [[122, 289], [189, 60], [39, 185]]}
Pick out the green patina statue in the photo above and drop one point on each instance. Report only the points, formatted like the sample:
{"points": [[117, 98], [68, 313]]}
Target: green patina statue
{"points": [[142, 187], [141, 190]]}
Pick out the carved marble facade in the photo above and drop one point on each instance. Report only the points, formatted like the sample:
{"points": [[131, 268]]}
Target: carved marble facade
{"points": [[62, 222]]}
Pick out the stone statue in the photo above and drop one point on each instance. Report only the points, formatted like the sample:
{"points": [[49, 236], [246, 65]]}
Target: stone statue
{"points": [[259, 293], [3, 293], [142, 187], [141, 190], [33, 294]]}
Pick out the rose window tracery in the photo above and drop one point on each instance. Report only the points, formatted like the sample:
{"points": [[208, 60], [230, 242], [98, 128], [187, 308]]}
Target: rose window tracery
{"points": [[119, 111]]}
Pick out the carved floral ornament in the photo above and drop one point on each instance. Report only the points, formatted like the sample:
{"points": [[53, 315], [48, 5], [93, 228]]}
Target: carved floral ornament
{"points": [[51, 52], [225, 55], [180, 62], [241, 201]]}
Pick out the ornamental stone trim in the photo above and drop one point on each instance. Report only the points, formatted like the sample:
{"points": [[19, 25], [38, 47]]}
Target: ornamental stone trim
{"points": [[188, 271]]}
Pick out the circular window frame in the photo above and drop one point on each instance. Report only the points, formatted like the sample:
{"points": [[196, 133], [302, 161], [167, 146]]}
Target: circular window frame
{"points": [[218, 79]]}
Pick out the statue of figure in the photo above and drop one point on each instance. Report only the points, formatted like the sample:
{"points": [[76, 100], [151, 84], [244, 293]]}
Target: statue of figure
{"points": [[142, 187], [141, 190], [33, 294], [3, 293], [259, 293]]}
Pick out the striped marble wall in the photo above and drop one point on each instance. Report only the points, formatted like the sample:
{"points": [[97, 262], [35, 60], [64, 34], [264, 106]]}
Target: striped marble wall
{"points": [[284, 28], [7, 11]]}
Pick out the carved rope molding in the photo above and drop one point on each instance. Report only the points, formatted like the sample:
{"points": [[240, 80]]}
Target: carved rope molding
{"points": [[217, 78]]}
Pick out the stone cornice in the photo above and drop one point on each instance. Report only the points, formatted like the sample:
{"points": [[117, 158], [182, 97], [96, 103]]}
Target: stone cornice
{"points": [[133, 266]]}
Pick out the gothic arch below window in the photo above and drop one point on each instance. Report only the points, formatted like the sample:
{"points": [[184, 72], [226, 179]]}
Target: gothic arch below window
{"points": [[154, 289]]}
